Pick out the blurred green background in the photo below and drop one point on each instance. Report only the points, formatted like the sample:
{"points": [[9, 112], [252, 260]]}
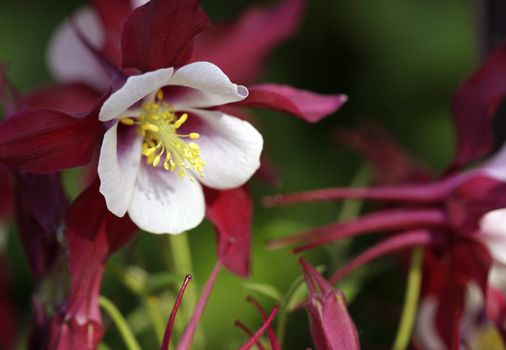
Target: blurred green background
{"points": [[397, 60]]}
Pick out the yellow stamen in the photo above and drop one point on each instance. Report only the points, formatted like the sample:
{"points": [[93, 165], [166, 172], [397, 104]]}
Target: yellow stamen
{"points": [[150, 127], [149, 151], [150, 158], [181, 120], [156, 161], [127, 121], [158, 125], [194, 147]]}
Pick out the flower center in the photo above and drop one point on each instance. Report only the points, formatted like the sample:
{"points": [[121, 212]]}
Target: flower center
{"points": [[158, 124]]}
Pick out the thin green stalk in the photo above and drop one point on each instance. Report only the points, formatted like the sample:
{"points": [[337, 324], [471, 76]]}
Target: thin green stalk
{"points": [[152, 306], [283, 311], [410, 302], [350, 209], [282, 319], [120, 322], [181, 264]]}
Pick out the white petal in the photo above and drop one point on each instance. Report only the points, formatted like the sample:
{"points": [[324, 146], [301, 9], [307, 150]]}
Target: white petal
{"points": [[493, 233], [426, 333], [118, 166], [164, 203], [135, 89], [230, 148], [496, 166], [69, 60], [497, 277], [137, 3], [473, 306], [210, 86]]}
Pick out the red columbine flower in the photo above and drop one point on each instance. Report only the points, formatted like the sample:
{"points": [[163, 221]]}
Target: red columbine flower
{"points": [[477, 330], [482, 316], [445, 215], [161, 147], [144, 40]]}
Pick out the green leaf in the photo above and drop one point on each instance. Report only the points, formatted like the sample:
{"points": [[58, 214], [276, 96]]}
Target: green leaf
{"points": [[297, 292], [103, 346], [266, 290]]}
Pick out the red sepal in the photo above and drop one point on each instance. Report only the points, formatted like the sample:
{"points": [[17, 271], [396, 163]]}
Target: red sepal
{"points": [[496, 310], [306, 105], [249, 40], [6, 195], [68, 98], [8, 316], [160, 34], [46, 141], [40, 206], [450, 309], [392, 164], [93, 233], [231, 211], [475, 104], [469, 261], [113, 14]]}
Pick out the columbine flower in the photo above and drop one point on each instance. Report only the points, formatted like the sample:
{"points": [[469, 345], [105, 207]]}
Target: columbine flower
{"points": [[448, 217], [477, 331], [115, 35], [163, 144], [482, 317]]}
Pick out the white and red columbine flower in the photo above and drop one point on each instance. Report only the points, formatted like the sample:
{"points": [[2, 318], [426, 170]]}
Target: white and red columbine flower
{"points": [[481, 317], [165, 143]]}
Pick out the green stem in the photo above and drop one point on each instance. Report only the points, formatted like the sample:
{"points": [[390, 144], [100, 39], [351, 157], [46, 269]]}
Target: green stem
{"points": [[282, 318], [350, 209], [181, 263], [120, 322], [410, 302], [153, 306], [283, 311]]}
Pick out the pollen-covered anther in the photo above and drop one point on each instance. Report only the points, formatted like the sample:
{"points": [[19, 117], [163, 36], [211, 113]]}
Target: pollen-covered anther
{"points": [[158, 125], [127, 121]]}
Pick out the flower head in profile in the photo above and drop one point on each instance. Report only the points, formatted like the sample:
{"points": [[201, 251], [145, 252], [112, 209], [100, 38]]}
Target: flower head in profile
{"points": [[164, 142], [458, 219], [482, 316], [477, 330]]}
